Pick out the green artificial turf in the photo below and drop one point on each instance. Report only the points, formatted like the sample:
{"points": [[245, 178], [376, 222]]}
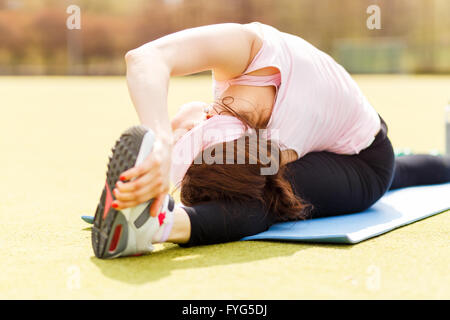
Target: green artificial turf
{"points": [[55, 136]]}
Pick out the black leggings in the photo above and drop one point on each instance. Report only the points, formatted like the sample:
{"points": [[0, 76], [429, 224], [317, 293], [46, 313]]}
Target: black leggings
{"points": [[333, 184]]}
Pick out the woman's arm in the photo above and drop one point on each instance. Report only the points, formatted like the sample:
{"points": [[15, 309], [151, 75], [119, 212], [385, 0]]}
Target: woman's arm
{"points": [[224, 48], [227, 49]]}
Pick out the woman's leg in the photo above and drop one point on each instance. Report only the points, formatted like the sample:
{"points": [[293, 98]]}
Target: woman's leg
{"points": [[333, 184], [181, 229], [218, 222], [338, 184], [420, 169]]}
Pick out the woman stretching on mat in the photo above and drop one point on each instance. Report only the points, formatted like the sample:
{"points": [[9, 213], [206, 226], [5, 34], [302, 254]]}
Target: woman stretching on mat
{"points": [[324, 149]]}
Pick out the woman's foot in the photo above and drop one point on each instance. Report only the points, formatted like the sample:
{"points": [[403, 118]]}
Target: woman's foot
{"points": [[129, 231]]}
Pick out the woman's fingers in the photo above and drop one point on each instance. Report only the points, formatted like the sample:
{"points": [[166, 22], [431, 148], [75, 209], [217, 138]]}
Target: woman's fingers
{"points": [[147, 189], [138, 183], [123, 196], [147, 165], [149, 180], [119, 205], [128, 202], [151, 164]]}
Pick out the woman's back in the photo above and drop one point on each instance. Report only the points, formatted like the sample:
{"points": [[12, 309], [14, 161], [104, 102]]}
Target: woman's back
{"points": [[318, 106]]}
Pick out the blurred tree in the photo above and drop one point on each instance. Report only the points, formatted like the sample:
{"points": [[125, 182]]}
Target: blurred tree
{"points": [[13, 40], [98, 36], [49, 26], [416, 32]]}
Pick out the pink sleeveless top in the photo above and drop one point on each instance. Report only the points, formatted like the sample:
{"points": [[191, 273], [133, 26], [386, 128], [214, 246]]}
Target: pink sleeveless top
{"points": [[318, 106], [248, 80]]}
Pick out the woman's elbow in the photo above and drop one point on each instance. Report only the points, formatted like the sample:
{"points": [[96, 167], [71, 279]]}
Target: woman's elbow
{"points": [[134, 55], [130, 55], [144, 57], [146, 51]]}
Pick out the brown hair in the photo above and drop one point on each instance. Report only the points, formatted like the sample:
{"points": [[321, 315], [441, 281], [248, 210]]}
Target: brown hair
{"points": [[238, 177]]}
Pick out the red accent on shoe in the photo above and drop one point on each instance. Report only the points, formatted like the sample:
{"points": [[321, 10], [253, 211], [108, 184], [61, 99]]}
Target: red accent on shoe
{"points": [[108, 201], [122, 178], [161, 217], [114, 205], [115, 238]]}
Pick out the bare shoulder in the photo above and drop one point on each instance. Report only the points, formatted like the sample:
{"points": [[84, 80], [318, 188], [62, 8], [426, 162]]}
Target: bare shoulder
{"points": [[254, 29], [255, 34]]}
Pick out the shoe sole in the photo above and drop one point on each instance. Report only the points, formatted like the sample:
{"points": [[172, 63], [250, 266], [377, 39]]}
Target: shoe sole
{"points": [[110, 229]]}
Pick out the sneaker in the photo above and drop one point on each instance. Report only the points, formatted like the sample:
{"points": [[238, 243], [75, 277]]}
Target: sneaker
{"points": [[130, 231]]}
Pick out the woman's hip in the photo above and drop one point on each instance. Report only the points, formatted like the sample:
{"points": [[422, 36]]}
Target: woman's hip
{"points": [[337, 184]]}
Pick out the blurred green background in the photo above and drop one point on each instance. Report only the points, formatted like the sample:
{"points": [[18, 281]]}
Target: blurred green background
{"points": [[414, 35]]}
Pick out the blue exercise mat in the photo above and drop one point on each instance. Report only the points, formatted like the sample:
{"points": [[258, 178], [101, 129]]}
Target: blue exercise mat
{"points": [[88, 219], [395, 209]]}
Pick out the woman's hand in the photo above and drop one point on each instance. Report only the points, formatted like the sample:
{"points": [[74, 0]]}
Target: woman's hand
{"points": [[188, 116], [150, 179]]}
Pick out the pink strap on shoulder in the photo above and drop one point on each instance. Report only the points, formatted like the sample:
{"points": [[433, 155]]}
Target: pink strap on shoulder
{"points": [[249, 80], [217, 129], [259, 81]]}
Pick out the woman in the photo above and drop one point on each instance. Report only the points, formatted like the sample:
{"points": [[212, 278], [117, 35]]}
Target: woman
{"points": [[326, 148]]}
